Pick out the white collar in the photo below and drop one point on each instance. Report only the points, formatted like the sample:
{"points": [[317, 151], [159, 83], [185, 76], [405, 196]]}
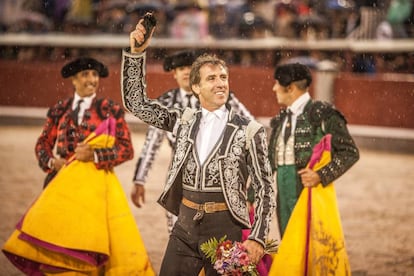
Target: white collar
{"points": [[218, 113], [298, 105], [87, 100], [184, 93]]}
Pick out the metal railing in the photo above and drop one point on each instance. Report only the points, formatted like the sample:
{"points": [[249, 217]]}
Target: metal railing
{"points": [[273, 43]]}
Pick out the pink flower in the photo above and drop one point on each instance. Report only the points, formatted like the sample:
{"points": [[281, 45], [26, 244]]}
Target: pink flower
{"points": [[229, 258]]}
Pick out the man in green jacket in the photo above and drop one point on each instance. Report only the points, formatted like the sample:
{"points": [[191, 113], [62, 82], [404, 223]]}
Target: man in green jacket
{"points": [[300, 125]]}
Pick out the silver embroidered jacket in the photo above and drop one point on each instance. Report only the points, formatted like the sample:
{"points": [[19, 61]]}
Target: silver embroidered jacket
{"points": [[242, 154], [155, 136]]}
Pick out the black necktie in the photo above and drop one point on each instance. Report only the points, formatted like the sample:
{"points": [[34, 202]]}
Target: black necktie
{"points": [[288, 127], [189, 103], [75, 112]]}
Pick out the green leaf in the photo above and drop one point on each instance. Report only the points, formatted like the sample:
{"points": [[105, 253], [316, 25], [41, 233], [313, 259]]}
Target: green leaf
{"points": [[271, 246], [210, 246]]}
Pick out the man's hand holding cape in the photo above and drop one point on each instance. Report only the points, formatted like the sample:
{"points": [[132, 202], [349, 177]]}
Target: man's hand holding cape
{"points": [[313, 243]]}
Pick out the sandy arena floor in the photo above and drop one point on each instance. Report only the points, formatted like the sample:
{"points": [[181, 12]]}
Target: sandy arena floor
{"points": [[376, 199]]}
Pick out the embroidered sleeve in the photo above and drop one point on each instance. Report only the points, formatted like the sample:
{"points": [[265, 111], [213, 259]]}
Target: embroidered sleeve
{"points": [[134, 96], [344, 150], [238, 107], [275, 125], [45, 143], [153, 141], [47, 139], [261, 181]]}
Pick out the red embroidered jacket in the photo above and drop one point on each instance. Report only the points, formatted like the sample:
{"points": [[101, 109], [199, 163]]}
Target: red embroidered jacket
{"points": [[60, 130]]}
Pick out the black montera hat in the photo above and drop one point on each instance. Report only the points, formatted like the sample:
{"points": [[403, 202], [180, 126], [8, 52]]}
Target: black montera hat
{"points": [[287, 73], [178, 59], [142, 8], [84, 63]]}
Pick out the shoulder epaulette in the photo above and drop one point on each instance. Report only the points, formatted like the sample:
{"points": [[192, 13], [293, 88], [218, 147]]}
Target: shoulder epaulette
{"points": [[56, 111], [107, 107], [278, 119], [251, 130], [321, 111], [188, 114]]}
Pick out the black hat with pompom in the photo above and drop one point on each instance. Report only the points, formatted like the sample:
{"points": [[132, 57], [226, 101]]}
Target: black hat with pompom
{"points": [[84, 63], [287, 73]]}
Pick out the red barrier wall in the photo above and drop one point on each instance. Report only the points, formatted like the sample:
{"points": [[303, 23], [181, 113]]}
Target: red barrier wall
{"points": [[40, 84], [378, 100]]}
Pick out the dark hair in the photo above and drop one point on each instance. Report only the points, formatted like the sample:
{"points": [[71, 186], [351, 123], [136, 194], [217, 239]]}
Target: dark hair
{"points": [[202, 60], [301, 84], [287, 73]]}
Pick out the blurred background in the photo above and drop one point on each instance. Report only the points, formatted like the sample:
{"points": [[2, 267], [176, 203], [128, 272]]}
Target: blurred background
{"points": [[288, 26], [361, 54]]}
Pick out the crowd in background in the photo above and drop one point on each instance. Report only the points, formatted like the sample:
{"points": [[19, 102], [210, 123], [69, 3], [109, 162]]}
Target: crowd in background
{"points": [[299, 19], [224, 19]]}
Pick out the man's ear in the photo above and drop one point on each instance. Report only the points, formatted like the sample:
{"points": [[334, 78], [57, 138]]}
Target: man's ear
{"points": [[287, 89], [195, 88]]}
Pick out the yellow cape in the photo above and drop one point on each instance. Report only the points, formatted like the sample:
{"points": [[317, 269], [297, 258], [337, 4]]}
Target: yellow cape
{"points": [[313, 245], [81, 223]]}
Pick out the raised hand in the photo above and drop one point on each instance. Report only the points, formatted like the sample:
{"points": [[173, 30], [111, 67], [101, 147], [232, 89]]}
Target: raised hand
{"points": [[140, 38]]}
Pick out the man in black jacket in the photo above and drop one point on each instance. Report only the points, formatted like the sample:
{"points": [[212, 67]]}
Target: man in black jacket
{"points": [[216, 152], [179, 64]]}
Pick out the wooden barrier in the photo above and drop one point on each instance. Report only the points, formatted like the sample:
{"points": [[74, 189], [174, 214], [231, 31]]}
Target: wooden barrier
{"points": [[376, 100]]}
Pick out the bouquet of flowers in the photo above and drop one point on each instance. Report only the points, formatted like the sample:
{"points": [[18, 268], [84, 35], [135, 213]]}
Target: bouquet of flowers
{"points": [[230, 258]]}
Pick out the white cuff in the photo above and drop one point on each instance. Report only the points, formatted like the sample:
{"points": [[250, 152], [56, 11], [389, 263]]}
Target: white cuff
{"points": [[51, 163]]}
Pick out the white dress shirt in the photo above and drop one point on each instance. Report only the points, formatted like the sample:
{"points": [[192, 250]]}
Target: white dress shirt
{"points": [[86, 104], [211, 127], [185, 98], [296, 108]]}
